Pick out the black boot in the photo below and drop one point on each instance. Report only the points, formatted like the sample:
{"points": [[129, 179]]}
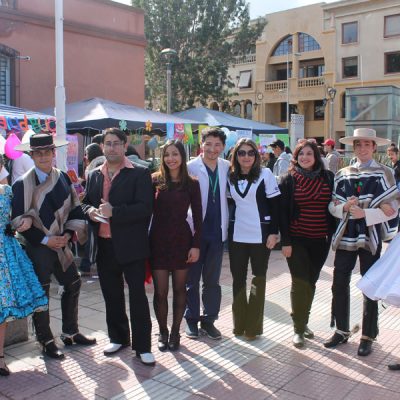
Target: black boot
{"points": [[69, 306], [337, 338], [365, 347], [78, 338], [51, 350]]}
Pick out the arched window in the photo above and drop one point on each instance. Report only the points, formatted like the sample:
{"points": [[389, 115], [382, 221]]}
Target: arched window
{"points": [[249, 110], [307, 43], [284, 47], [236, 109], [214, 106]]}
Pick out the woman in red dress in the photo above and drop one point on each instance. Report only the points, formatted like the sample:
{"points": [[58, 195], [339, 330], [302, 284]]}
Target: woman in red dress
{"points": [[173, 245]]}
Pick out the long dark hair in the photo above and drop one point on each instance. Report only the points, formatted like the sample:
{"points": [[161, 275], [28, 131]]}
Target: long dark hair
{"points": [[318, 164], [163, 176], [234, 170]]}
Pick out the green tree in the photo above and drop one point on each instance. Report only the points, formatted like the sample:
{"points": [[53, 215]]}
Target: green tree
{"points": [[207, 35]]}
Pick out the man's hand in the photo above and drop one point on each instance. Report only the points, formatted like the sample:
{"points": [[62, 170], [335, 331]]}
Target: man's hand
{"points": [[26, 223], [105, 208], [272, 240], [352, 201], [357, 212], [193, 255], [287, 251], [57, 242], [92, 214], [387, 209]]}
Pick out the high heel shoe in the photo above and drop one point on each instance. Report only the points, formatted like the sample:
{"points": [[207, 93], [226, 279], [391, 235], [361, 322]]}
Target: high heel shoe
{"points": [[174, 341], [163, 341], [4, 371]]}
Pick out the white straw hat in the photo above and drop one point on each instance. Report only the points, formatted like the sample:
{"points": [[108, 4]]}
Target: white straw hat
{"points": [[365, 134]]}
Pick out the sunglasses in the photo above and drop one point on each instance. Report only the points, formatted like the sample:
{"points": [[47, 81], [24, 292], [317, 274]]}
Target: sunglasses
{"points": [[243, 153]]}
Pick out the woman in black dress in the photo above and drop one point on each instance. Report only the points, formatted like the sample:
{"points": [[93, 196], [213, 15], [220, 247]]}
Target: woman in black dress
{"points": [[173, 245]]}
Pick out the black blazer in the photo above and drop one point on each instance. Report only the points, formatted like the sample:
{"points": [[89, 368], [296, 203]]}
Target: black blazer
{"points": [[131, 196]]}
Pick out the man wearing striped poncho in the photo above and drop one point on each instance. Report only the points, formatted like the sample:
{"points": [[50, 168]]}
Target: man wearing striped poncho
{"points": [[47, 196], [360, 191]]}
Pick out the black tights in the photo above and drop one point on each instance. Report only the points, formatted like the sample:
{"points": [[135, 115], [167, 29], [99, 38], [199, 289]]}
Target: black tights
{"points": [[160, 301]]}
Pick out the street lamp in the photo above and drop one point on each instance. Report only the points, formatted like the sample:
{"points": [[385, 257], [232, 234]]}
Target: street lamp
{"points": [[331, 92], [168, 54]]}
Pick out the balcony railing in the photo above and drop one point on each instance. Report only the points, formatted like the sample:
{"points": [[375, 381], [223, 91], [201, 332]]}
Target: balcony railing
{"points": [[247, 59], [8, 3], [311, 82], [275, 86]]}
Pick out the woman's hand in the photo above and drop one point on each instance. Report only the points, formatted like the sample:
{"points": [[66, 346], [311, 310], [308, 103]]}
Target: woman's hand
{"points": [[352, 201], [272, 240], [25, 224], [193, 255], [287, 251], [357, 212]]}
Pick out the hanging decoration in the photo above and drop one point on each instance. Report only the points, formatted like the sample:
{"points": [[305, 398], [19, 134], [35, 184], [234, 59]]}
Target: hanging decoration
{"points": [[149, 126], [122, 125], [179, 132], [188, 134]]}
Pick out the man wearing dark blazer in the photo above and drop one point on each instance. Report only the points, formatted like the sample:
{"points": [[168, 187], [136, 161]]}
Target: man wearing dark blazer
{"points": [[118, 202]]}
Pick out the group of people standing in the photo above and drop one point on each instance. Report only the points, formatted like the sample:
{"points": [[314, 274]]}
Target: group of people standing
{"points": [[177, 221]]}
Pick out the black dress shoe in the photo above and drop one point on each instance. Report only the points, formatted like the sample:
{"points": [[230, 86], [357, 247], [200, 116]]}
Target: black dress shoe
{"points": [[163, 341], [52, 351], [394, 367], [337, 338], [4, 371], [174, 341], [78, 338], [365, 347]]}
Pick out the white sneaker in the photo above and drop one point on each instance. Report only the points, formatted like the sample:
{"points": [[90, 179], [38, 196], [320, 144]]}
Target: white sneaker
{"points": [[112, 348], [147, 358]]}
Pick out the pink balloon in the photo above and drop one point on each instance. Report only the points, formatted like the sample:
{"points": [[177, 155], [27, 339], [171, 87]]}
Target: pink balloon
{"points": [[11, 142]]}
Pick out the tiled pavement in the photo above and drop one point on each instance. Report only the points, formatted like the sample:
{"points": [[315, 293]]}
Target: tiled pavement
{"points": [[268, 368]]}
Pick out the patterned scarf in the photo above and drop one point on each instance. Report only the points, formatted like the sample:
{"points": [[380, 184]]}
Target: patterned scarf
{"points": [[373, 185], [52, 222]]}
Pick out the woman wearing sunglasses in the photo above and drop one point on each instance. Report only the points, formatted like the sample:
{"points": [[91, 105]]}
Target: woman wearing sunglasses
{"points": [[306, 228], [252, 234]]}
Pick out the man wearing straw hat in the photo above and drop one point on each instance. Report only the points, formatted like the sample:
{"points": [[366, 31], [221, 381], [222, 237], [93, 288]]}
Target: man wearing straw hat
{"points": [[47, 195], [360, 190]]}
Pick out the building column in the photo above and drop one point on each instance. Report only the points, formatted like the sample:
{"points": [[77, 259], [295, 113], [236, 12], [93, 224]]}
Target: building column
{"points": [[242, 108], [295, 61]]}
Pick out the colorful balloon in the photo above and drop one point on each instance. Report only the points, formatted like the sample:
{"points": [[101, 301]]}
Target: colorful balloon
{"points": [[9, 146]]}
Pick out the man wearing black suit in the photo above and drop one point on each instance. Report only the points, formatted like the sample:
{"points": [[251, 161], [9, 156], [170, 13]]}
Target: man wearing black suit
{"points": [[118, 201]]}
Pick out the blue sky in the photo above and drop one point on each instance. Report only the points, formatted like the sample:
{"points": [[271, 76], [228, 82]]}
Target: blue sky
{"points": [[262, 7]]}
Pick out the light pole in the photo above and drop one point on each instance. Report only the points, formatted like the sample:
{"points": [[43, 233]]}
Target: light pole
{"points": [[60, 89], [331, 96], [168, 54]]}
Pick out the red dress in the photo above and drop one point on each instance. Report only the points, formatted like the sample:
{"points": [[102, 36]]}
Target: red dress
{"points": [[170, 235]]}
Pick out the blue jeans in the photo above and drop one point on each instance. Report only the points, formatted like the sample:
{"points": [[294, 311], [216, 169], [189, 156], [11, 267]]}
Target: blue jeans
{"points": [[208, 267]]}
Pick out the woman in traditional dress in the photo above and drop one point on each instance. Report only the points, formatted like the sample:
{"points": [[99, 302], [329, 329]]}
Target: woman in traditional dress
{"points": [[20, 291]]}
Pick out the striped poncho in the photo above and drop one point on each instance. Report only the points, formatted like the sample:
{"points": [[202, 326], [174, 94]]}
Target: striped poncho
{"points": [[373, 185], [53, 206]]}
